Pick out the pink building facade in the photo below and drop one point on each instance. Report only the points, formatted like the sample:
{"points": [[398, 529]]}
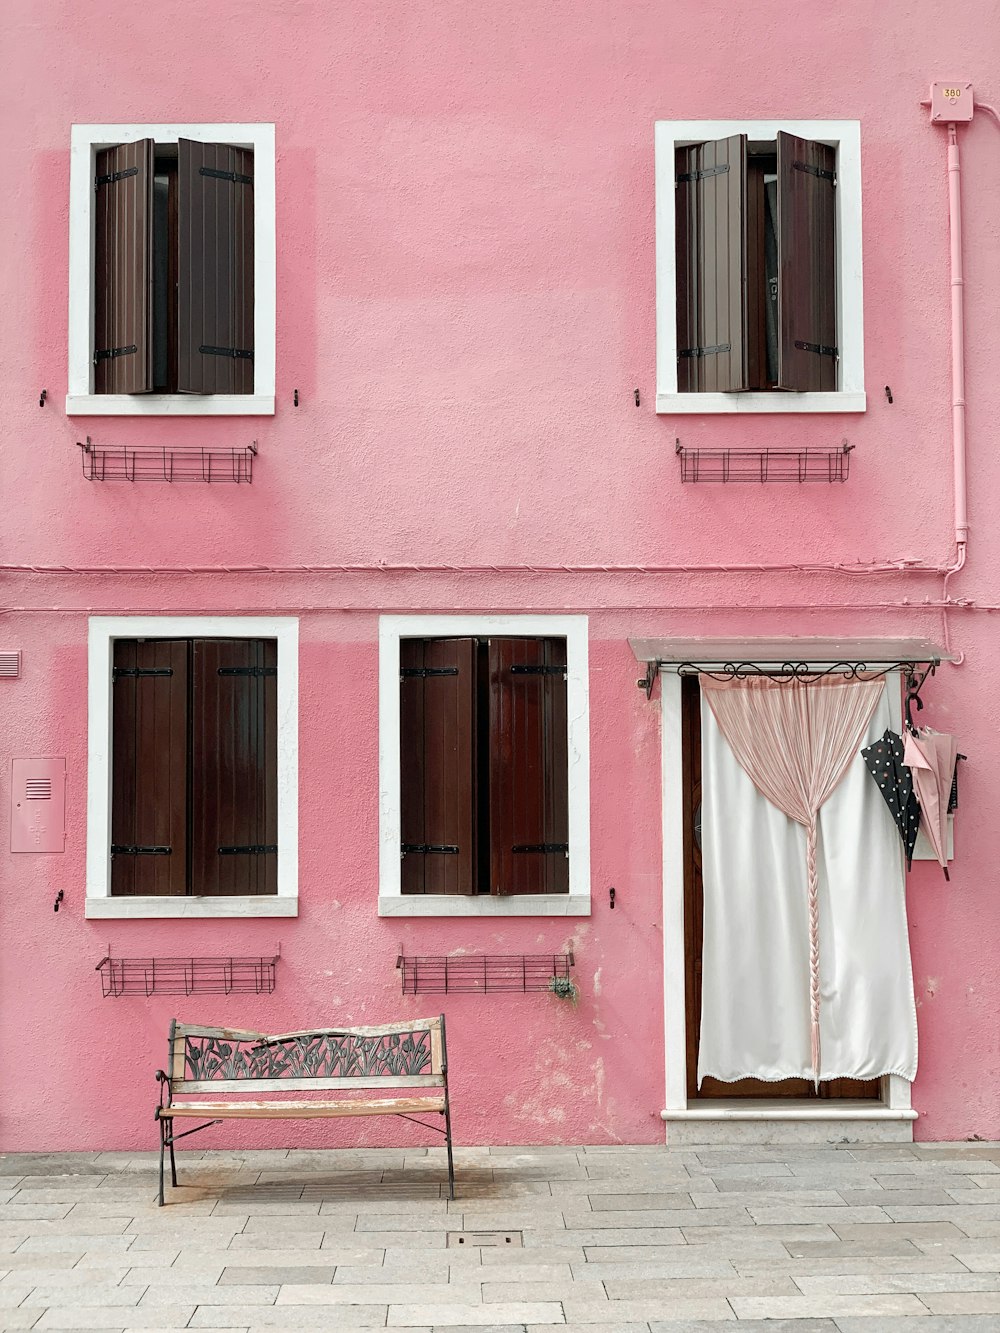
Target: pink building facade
{"points": [[465, 405]]}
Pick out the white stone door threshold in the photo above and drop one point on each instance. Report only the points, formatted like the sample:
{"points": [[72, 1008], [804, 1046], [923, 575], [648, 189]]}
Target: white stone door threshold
{"points": [[785, 1120]]}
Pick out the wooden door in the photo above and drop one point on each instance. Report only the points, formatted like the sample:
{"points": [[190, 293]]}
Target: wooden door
{"points": [[694, 933]]}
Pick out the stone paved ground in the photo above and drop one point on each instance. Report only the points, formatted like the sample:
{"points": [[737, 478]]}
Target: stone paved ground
{"points": [[883, 1239]]}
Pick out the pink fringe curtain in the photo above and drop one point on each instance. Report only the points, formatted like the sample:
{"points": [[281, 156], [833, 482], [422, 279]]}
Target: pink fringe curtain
{"points": [[795, 742]]}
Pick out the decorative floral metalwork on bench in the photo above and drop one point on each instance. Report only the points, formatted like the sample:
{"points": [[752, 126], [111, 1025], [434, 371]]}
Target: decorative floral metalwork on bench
{"points": [[311, 1055]]}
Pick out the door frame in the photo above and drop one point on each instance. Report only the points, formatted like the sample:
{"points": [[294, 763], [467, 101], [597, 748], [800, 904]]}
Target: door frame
{"points": [[894, 1103]]}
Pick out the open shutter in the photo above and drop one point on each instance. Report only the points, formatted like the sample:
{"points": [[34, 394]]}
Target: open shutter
{"points": [[529, 773], [711, 191], [437, 748], [123, 269], [807, 265], [214, 268], [234, 763], [149, 767]]}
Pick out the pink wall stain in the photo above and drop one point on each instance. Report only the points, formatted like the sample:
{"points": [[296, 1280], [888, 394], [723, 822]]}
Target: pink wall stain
{"points": [[466, 303]]}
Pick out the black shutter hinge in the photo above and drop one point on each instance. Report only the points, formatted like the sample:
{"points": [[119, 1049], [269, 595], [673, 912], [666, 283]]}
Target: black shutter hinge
{"points": [[821, 172], [110, 353], [141, 671], [700, 175], [120, 849], [529, 669], [541, 847], [443, 849], [248, 671], [705, 351], [234, 176], [113, 176], [818, 348], [254, 849], [421, 672], [237, 353]]}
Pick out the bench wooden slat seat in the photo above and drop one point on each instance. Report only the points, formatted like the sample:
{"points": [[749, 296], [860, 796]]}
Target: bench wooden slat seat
{"points": [[400, 1059]]}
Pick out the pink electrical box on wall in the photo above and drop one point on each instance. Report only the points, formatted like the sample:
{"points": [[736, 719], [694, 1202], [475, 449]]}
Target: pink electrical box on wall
{"points": [[38, 805], [951, 102]]}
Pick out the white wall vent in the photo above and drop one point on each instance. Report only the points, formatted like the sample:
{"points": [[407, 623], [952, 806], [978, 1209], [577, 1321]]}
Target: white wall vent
{"points": [[10, 665]]}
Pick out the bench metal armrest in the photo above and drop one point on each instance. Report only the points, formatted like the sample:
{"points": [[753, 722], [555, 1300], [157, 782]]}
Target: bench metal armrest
{"points": [[164, 1081]]}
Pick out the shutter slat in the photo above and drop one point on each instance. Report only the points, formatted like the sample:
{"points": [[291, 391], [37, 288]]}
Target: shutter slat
{"points": [[123, 269], [529, 775], [149, 767], [437, 765], [234, 767], [807, 266], [710, 209], [215, 268]]}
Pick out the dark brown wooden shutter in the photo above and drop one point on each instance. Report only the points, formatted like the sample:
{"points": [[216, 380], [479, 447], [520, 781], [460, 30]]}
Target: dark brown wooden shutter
{"points": [[807, 265], [710, 210], [123, 269], [529, 772], [234, 762], [215, 268], [437, 694], [149, 767]]}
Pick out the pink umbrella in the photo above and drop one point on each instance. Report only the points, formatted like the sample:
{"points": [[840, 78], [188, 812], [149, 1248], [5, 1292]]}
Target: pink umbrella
{"points": [[931, 755]]}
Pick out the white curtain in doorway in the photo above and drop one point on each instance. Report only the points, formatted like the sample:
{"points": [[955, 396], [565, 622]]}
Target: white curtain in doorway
{"points": [[755, 1017]]}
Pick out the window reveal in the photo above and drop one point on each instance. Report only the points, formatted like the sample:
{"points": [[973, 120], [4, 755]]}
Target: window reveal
{"points": [[194, 767], [756, 266], [484, 766], [174, 260]]}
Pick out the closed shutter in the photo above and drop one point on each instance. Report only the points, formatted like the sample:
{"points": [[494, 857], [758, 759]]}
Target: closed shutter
{"points": [[234, 808], [711, 189], [215, 301], [529, 776], [437, 765], [123, 269], [807, 293], [149, 767]]}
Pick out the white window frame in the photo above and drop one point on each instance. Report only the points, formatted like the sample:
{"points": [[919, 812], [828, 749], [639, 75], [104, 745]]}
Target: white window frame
{"points": [[845, 137], [103, 631], [81, 400], [391, 900]]}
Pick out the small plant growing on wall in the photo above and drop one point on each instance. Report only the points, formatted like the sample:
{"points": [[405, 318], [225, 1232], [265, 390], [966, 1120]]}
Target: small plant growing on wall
{"points": [[564, 988]]}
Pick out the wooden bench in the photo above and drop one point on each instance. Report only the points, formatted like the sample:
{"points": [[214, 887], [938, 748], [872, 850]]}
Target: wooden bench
{"points": [[408, 1060]]}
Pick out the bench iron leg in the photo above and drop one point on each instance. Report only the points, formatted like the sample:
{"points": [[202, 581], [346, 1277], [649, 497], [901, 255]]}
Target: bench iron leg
{"points": [[163, 1144], [451, 1163], [173, 1164]]}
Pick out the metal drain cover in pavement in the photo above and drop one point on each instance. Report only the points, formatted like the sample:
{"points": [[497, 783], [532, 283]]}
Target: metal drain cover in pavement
{"points": [[476, 1238]]}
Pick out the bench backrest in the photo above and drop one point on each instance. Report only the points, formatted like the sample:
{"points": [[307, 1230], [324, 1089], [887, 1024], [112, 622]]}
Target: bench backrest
{"points": [[394, 1055]]}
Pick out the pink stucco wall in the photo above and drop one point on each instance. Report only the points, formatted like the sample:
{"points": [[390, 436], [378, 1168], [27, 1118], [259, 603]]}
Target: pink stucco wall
{"points": [[466, 303]]}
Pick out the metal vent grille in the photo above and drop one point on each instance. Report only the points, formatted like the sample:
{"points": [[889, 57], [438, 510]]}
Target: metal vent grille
{"points": [[38, 789], [10, 665]]}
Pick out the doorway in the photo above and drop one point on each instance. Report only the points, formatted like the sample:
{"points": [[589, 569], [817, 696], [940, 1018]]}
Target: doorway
{"points": [[798, 1088]]}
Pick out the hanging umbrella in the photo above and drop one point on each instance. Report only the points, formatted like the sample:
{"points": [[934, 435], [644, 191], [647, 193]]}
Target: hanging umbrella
{"points": [[884, 761], [931, 757]]}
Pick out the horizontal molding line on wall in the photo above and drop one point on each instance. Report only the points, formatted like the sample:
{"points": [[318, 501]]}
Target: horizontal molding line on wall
{"points": [[860, 568]]}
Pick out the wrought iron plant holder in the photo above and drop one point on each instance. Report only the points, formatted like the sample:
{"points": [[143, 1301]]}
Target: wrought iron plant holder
{"points": [[187, 976], [483, 973], [765, 465], [147, 463]]}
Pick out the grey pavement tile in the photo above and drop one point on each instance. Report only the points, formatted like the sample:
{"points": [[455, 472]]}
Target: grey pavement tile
{"points": [[752, 1200], [32, 1259], [917, 1282], [962, 1302], [423, 1293], [612, 1326], [988, 1261], [783, 1185], [26, 1317], [643, 1202], [853, 1264], [895, 1198], [274, 1316], [459, 1316], [491, 1256], [385, 1222], [924, 1324], [820, 1306], [666, 1289], [897, 1231], [399, 1271], [696, 1307], [871, 1246], [605, 1236], [55, 1244], [676, 1216], [84, 1292], [19, 1213], [208, 1293], [518, 1272], [304, 1240], [123, 1317], [746, 1326], [292, 1256], [13, 1294], [276, 1276], [413, 1240], [683, 1266], [175, 1277], [750, 1236], [506, 1289], [962, 1192], [793, 1213], [978, 1230], [987, 1212]]}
